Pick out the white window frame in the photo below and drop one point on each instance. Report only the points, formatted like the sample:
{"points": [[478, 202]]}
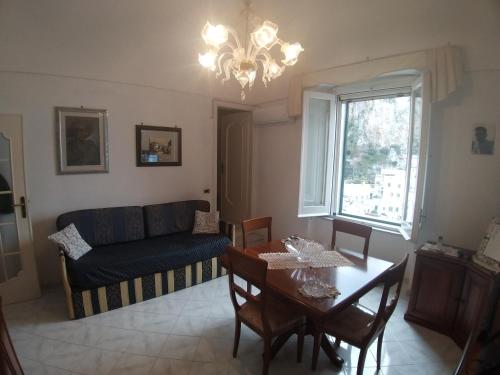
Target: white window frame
{"points": [[411, 232], [324, 209], [381, 93], [336, 138]]}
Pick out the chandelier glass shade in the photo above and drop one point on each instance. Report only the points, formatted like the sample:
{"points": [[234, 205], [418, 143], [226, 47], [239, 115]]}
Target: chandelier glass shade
{"points": [[229, 57]]}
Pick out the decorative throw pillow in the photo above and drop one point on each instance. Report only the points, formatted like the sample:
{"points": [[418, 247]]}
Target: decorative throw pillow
{"points": [[71, 242], [206, 222]]}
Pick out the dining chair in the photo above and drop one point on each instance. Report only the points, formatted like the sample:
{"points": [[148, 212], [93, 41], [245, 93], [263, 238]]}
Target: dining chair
{"points": [[359, 326], [266, 316], [251, 225], [9, 363], [355, 229]]}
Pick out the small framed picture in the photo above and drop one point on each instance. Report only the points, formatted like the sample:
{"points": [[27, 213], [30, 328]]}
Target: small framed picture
{"points": [[483, 139], [82, 140], [158, 146], [488, 254]]}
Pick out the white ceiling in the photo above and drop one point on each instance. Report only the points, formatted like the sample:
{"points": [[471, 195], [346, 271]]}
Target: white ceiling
{"points": [[156, 42]]}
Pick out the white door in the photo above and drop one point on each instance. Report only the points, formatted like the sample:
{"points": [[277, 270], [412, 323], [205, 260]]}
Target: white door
{"points": [[236, 132], [18, 275]]}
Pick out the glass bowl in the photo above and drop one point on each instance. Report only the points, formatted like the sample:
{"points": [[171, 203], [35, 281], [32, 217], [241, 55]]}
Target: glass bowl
{"points": [[302, 248]]}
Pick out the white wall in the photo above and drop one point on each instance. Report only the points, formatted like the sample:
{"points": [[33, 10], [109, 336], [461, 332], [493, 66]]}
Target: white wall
{"points": [[464, 189], [35, 96]]}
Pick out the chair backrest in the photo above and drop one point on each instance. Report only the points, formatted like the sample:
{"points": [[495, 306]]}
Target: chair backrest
{"points": [[251, 225], [9, 363], [254, 271], [393, 277], [355, 229]]}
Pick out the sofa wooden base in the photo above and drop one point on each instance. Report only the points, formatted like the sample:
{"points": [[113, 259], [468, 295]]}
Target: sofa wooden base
{"points": [[89, 302]]}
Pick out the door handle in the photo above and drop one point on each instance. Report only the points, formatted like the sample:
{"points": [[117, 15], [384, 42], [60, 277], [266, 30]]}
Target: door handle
{"points": [[22, 204]]}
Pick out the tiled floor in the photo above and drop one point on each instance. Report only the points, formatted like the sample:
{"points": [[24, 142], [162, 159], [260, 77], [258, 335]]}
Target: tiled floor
{"points": [[191, 332]]}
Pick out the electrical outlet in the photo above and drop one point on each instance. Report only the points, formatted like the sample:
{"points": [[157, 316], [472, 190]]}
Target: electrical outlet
{"points": [[206, 191]]}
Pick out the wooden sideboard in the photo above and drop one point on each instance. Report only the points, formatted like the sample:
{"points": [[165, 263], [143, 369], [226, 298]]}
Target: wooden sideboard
{"points": [[449, 294]]}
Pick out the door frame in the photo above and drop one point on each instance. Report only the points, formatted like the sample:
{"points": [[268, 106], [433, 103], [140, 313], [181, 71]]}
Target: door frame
{"points": [[221, 104], [24, 164]]}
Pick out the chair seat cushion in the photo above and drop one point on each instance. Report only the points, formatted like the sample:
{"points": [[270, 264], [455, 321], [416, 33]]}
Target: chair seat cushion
{"points": [[281, 317], [110, 264], [352, 324]]}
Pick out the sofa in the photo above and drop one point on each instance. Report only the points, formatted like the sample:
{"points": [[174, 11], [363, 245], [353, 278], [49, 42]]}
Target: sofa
{"points": [[138, 253]]}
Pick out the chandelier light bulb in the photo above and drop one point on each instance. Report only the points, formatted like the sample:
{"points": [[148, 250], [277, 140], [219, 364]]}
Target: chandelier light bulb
{"points": [[207, 60], [291, 52], [265, 35], [274, 70], [214, 35]]}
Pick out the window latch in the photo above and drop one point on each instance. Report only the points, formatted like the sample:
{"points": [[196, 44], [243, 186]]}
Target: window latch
{"points": [[421, 218]]}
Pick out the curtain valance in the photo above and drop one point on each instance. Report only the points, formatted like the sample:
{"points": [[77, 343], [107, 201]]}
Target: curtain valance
{"points": [[444, 65]]}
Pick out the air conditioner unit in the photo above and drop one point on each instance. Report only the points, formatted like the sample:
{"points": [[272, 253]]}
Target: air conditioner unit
{"points": [[271, 113]]}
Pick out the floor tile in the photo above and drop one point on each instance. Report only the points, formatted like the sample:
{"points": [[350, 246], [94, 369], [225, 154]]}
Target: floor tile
{"points": [[420, 369], [88, 335], [367, 371], [188, 325], [29, 346], [179, 347], [115, 339], [64, 355], [199, 368], [98, 362], [146, 343], [37, 368], [163, 366], [129, 364], [211, 349], [157, 323]]}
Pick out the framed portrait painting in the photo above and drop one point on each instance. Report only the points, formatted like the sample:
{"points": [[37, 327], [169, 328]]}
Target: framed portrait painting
{"points": [[158, 146], [82, 136], [483, 139]]}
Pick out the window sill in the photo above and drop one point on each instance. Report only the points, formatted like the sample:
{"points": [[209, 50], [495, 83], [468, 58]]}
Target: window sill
{"points": [[385, 228]]}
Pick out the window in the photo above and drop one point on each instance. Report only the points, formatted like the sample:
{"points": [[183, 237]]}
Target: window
{"points": [[362, 153], [376, 135]]}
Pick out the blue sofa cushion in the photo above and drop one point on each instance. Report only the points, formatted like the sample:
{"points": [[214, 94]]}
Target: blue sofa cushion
{"points": [[104, 226], [169, 218], [111, 264]]}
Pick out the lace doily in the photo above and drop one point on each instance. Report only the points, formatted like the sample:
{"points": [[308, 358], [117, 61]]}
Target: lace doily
{"points": [[280, 261]]}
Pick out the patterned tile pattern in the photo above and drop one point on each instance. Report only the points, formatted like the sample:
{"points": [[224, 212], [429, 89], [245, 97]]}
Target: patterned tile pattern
{"points": [[191, 332]]}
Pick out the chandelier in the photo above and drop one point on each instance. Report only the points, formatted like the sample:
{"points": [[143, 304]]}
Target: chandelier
{"points": [[228, 56]]}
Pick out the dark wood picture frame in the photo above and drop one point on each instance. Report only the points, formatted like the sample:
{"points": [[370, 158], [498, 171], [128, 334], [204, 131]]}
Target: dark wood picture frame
{"points": [[172, 149]]}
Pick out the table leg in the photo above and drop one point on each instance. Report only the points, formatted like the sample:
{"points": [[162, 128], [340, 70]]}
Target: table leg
{"points": [[279, 342], [327, 347]]}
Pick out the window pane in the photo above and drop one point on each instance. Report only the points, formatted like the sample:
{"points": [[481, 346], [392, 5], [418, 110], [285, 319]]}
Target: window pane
{"points": [[316, 149], [375, 158]]}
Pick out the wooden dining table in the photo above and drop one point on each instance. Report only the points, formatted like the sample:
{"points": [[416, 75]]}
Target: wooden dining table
{"points": [[352, 282]]}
